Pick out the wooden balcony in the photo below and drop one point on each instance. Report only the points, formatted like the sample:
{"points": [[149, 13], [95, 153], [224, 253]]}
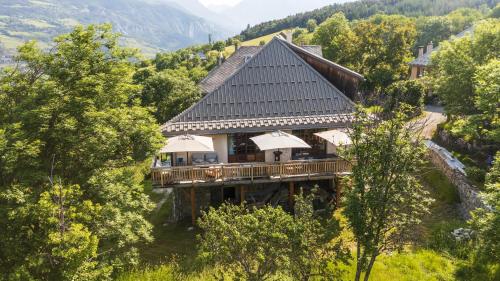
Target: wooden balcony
{"points": [[246, 173]]}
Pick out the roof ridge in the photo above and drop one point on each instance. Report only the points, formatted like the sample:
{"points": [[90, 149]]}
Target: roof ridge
{"points": [[323, 59], [219, 86], [285, 43], [219, 66]]}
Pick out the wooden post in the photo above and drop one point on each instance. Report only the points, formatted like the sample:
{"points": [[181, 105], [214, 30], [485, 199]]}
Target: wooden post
{"points": [[291, 192], [242, 194], [338, 191], [193, 206]]}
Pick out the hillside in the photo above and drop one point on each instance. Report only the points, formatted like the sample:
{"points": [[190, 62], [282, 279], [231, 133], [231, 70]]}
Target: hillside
{"points": [[252, 42], [364, 9], [148, 25]]}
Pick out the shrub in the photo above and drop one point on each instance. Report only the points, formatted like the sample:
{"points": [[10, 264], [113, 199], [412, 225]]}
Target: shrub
{"points": [[266, 243], [410, 92], [476, 175], [441, 239], [311, 25]]}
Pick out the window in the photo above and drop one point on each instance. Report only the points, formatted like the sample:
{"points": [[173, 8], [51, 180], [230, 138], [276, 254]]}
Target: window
{"points": [[318, 145], [242, 149]]}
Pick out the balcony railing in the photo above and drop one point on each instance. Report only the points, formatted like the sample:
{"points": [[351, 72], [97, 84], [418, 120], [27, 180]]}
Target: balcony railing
{"points": [[248, 172]]}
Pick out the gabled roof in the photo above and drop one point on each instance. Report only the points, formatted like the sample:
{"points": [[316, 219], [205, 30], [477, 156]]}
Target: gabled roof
{"points": [[314, 49], [312, 53], [344, 79], [219, 74], [274, 84], [425, 59]]}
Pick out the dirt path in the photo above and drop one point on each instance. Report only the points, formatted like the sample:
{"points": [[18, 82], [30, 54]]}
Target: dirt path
{"points": [[433, 115]]}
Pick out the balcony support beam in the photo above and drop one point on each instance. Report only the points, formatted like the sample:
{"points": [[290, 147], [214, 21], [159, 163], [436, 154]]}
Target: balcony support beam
{"points": [[338, 191], [242, 194], [291, 193], [193, 206]]}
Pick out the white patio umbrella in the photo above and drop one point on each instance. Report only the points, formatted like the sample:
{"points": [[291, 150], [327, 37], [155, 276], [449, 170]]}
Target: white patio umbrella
{"points": [[335, 137], [188, 143], [278, 140]]}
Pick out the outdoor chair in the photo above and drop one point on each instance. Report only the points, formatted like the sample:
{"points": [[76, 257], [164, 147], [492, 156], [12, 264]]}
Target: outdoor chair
{"points": [[211, 158], [180, 161], [198, 158]]}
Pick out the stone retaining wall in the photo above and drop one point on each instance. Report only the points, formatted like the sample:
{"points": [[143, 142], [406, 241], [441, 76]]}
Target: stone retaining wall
{"points": [[454, 171]]}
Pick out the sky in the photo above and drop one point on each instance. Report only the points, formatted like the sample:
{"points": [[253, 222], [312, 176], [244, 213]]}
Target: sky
{"points": [[219, 2]]}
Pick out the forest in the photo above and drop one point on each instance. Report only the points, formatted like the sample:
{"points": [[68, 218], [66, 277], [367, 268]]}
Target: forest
{"points": [[364, 9], [80, 123]]}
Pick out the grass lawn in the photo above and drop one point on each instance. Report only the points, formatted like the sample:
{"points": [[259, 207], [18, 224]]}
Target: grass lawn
{"points": [[411, 266], [254, 42], [171, 241], [422, 265], [445, 208]]}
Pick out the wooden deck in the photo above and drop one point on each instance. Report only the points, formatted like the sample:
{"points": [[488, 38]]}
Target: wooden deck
{"points": [[245, 173]]}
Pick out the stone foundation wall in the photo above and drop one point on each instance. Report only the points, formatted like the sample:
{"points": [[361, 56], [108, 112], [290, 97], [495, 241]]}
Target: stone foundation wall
{"points": [[453, 169]]}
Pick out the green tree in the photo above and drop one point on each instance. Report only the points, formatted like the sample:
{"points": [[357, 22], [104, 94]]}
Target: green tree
{"points": [[219, 46], [432, 29], [485, 221], [454, 72], [465, 78], [315, 245], [121, 224], [77, 103], [337, 39], [410, 92], [462, 18], [495, 12], [311, 25], [383, 49], [252, 245], [73, 112], [301, 36], [169, 92], [487, 99], [261, 244], [385, 200], [56, 244]]}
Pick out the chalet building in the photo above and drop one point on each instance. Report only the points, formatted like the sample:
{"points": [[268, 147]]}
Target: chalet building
{"points": [[278, 87], [420, 65]]}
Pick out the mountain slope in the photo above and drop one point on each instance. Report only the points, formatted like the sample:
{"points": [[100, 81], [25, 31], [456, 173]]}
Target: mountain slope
{"points": [[196, 8], [144, 24]]}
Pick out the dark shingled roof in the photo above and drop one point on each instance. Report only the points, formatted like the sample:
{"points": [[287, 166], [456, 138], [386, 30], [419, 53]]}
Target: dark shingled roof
{"points": [[424, 59], [219, 74], [313, 49], [275, 88]]}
